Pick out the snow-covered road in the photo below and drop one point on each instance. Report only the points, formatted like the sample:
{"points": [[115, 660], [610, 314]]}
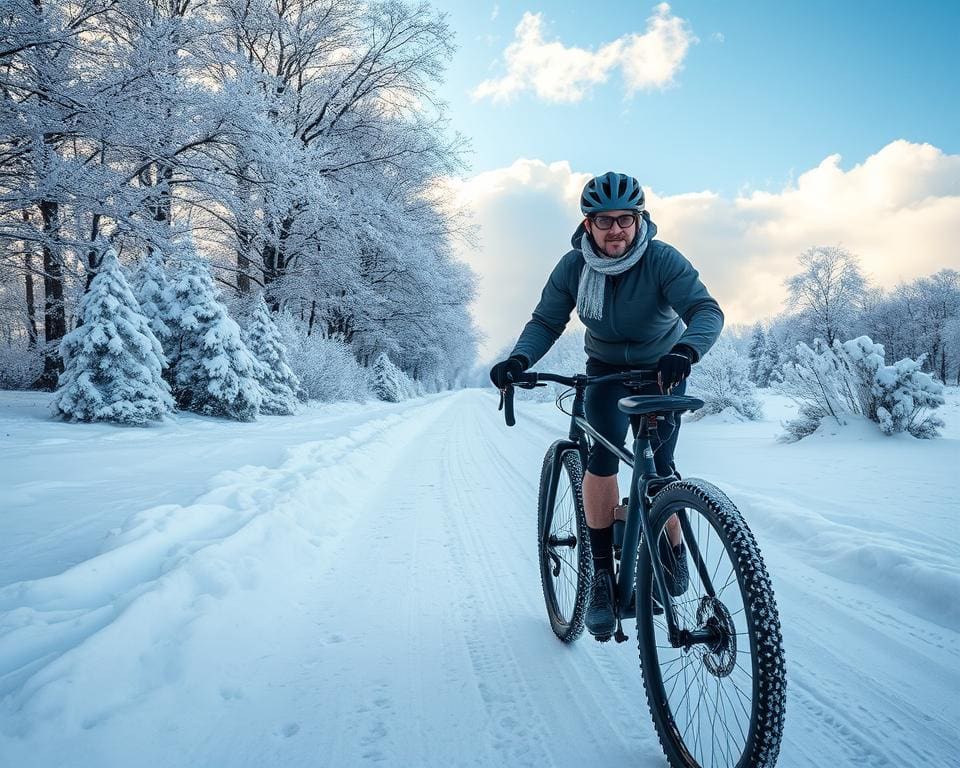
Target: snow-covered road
{"points": [[360, 585]]}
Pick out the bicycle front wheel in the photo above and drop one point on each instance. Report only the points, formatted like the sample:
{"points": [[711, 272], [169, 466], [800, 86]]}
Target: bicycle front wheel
{"points": [[566, 566], [718, 699]]}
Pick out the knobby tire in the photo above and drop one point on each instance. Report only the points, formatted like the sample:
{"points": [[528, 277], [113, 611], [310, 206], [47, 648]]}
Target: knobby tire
{"points": [[746, 677], [567, 595]]}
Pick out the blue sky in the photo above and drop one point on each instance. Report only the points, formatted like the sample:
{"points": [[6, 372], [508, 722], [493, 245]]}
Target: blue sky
{"points": [[790, 83], [759, 130]]}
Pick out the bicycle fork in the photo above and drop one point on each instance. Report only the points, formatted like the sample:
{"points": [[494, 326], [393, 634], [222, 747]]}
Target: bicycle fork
{"points": [[645, 483]]}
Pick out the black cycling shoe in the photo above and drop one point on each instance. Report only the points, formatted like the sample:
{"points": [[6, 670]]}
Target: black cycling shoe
{"points": [[600, 620], [674, 561]]}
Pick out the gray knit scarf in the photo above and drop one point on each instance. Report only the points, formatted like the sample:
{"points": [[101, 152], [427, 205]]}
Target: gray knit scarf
{"points": [[593, 278]]}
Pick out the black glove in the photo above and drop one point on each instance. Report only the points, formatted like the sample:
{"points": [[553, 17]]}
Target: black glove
{"points": [[505, 372], [674, 367]]}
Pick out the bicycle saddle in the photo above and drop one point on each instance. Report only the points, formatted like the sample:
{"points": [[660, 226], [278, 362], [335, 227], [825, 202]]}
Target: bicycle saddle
{"points": [[639, 405]]}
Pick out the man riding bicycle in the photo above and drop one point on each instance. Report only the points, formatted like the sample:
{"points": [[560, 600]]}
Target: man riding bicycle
{"points": [[644, 308]]}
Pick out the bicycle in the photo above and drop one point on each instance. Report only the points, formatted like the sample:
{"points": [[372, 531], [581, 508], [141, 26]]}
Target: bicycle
{"points": [[711, 654]]}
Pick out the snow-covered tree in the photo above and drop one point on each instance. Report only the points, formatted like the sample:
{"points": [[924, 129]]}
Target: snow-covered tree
{"points": [[302, 139], [280, 384], [214, 372], [721, 379], [153, 292], [113, 362], [758, 345], [913, 320], [951, 342], [851, 379], [387, 382], [827, 292]]}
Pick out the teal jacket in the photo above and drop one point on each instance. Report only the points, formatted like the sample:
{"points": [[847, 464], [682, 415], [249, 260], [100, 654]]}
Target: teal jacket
{"points": [[654, 305]]}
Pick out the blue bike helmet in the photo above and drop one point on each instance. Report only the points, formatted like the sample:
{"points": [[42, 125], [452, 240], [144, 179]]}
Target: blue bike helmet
{"points": [[612, 192]]}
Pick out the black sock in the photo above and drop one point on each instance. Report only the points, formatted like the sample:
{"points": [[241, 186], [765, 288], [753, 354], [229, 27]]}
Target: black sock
{"points": [[601, 543]]}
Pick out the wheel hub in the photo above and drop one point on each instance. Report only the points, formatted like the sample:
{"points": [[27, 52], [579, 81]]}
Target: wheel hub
{"points": [[720, 653]]}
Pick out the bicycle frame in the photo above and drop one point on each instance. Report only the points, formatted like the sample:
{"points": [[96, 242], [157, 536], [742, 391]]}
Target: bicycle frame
{"points": [[645, 482]]}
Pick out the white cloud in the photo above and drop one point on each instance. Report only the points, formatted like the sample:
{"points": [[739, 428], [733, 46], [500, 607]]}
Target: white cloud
{"points": [[495, 12], [559, 73], [526, 214], [717, 37], [899, 211]]}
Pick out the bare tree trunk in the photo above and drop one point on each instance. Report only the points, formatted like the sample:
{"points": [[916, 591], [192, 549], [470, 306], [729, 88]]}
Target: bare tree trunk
{"points": [[54, 312], [244, 235], [274, 263], [31, 308], [94, 256], [243, 274], [32, 333]]}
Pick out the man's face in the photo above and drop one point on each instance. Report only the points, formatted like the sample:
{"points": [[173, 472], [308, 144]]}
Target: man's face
{"points": [[615, 241]]}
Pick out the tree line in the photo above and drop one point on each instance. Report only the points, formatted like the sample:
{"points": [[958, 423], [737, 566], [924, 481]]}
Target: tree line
{"points": [[298, 143], [831, 299]]}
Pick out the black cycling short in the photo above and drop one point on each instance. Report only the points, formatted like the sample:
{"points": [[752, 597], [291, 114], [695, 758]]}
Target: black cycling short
{"points": [[604, 415]]}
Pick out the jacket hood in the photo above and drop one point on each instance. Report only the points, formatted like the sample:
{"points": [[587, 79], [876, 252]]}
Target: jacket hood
{"points": [[582, 230]]}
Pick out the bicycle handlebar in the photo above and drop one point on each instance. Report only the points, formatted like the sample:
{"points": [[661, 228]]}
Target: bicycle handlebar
{"points": [[531, 379]]}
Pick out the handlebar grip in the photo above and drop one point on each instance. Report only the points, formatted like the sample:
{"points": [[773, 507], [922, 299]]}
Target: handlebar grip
{"points": [[508, 405]]}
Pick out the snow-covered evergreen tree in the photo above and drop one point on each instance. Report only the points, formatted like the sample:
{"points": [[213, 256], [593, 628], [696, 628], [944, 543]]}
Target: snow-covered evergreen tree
{"points": [[721, 380], [280, 384], [152, 289], [387, 381], [213, 370], [113, 362], [768, 368], [758, 343]]}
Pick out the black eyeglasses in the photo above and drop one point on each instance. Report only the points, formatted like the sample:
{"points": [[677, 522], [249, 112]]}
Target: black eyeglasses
{"points": [[605, 222]]}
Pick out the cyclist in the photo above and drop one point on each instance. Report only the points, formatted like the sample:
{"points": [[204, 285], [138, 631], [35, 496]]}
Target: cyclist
{"points": [[644, 307]]}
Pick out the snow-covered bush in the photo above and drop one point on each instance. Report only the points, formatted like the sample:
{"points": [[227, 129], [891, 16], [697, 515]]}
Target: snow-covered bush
{"points": [[20, 364], [851, 379], [389, 383], [213, 370], [326, 368], [722, 380], [900, 397], [113, 362], [280, 384]]}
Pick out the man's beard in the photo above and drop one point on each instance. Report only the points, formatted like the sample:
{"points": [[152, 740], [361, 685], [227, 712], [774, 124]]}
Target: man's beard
{"points": [[612, 252]]}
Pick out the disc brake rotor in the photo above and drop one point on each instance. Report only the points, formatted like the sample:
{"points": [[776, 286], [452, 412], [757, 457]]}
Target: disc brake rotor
{"points": [[720, 656]]}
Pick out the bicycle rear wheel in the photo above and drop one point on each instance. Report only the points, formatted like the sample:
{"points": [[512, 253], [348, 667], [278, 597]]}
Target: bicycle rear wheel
{"points": [[717, 703], [563, 544]]}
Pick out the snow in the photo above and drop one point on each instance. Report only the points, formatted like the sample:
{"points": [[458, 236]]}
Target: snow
{"points": [[359, 584]]}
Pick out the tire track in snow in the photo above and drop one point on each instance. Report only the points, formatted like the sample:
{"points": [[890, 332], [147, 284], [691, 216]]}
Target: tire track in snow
{"points": [[162, 565], [587, 695]]}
